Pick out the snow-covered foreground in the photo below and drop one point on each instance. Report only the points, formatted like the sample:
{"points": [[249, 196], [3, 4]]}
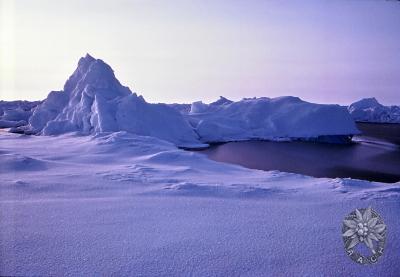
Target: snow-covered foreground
{"points": [[130, 205]]}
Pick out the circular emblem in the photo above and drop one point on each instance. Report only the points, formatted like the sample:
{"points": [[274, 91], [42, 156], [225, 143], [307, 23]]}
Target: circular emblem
{"points": [[364, 235]]}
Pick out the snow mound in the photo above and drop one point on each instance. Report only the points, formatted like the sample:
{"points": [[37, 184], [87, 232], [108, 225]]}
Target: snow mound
{"points": [[219, 190], [365, 189], [94, 101], [16, 162], [282, 118], [370, 110]]}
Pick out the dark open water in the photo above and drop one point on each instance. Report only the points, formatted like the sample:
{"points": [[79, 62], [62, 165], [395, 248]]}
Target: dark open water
{"points": [[374, 155]]}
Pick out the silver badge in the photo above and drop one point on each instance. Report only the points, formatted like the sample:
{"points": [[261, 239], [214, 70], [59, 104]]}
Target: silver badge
{"points": [[364, 235]]}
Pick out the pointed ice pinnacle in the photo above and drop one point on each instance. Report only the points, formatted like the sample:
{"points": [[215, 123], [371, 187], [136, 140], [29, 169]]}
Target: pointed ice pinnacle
{"points": [[95, 75], [221, 101], [94, 101]]}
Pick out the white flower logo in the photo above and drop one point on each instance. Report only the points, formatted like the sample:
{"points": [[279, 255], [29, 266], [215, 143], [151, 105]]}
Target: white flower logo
{"points": [[364, 228]]}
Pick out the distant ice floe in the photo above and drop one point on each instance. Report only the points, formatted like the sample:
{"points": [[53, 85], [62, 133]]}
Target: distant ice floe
{"points": [[370, 110]]}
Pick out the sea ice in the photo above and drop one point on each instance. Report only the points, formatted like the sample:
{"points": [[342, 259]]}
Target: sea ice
{"points": [[370, 110]]}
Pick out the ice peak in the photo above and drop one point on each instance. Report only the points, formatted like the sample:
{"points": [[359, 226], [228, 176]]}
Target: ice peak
{"points": [[371, 100], [88, 56], [86, 59], [366, 103], [97, 75], [85, 64], [221, 101]]}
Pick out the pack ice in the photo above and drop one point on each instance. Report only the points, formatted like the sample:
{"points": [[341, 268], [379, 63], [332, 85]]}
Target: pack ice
{"points": [[15, 113], [370, 110], [93, 101]]}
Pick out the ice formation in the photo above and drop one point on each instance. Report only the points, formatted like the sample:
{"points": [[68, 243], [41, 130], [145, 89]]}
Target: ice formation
{"points": [[370, 110], [281, 118], [94, 101], [15, 113]]}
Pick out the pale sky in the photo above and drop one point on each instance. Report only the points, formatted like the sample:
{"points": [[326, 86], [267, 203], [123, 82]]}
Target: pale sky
{"points": [[183, 51]]}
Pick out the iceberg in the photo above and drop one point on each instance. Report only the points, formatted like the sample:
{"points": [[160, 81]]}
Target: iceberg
{"points": [[370, 110], [93, 101], [281, 118]]}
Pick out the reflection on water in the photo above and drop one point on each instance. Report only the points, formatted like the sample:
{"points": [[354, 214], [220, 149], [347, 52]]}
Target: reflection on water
{"points": [[374, 156]]}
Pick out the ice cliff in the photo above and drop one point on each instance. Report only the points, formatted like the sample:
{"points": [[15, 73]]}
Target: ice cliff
{"points": [[281, 118]]}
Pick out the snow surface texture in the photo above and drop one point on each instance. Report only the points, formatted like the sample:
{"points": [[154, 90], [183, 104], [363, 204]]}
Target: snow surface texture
{"points": [[93, 101], [15, 113], [122, 204], [281, 118], [370, 110]]}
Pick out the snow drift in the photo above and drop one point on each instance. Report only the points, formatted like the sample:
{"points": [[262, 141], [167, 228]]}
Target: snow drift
{"points": [[370, 110], [282, 118], [94, 101]]}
